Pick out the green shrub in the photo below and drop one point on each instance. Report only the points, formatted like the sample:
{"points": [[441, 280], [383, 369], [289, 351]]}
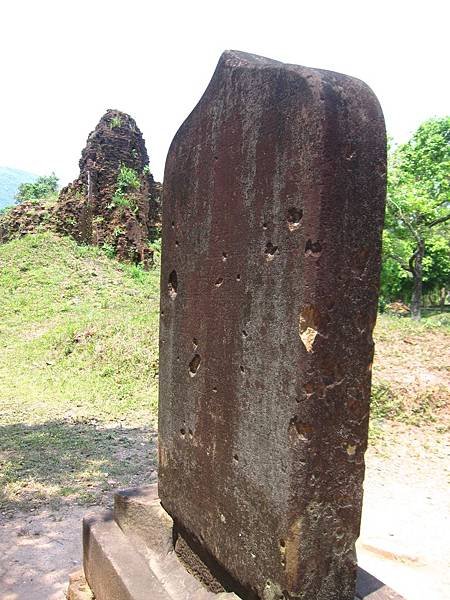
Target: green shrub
{"points": [[115, 122], [127, 180], [109, 250], [43, 187]]}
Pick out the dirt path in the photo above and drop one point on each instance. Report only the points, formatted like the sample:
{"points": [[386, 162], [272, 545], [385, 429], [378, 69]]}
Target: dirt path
{"points": [[404, 538], [38, 551], [405, 527]]}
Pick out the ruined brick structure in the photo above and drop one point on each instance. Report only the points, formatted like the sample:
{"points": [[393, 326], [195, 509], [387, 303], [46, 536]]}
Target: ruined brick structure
{"points": [[115, 200]]}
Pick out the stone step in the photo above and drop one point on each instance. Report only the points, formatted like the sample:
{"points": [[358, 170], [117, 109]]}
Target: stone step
{"points": [[140, 516], [129, 555], [113, 567]]}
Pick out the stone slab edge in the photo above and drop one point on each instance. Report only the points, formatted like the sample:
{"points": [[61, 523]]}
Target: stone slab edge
{"points": [[139, 509], [139, 514], [117, 570], [112, 566]]}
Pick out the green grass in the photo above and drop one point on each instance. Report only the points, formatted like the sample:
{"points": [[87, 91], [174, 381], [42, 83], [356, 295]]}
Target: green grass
{"points": [[431, 320], [78, 368]]}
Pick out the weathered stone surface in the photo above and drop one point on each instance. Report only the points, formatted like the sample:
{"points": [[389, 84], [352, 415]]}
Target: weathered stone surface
{"points": [[273, 208], [115, 199], [23, 219], [113, 568], [129, 554]]}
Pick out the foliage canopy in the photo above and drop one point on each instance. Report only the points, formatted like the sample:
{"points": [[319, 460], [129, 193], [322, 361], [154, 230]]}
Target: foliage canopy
{"points": [[43, 187], [416, 240]]}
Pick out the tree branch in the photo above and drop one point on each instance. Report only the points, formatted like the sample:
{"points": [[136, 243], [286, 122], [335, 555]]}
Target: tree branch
{"points": [[440, 220], [404, 219], [400, 261]]}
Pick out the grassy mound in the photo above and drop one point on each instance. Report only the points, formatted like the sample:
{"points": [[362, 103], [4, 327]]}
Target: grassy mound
{"points": [[78, 369]]}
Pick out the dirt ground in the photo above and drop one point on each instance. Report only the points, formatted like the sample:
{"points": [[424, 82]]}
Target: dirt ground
{"points": [[404, 538], [405, 525]]}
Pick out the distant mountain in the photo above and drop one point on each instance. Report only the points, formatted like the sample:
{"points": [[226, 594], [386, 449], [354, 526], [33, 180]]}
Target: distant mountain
{"points": [[10, 179]]}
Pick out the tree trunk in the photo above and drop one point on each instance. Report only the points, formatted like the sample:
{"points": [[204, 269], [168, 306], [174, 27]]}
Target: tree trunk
{"points": [[417, 272], [443, 296]]}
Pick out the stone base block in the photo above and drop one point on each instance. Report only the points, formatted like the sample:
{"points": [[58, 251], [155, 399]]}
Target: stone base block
{"points": [[369, 587], [132, 553]]}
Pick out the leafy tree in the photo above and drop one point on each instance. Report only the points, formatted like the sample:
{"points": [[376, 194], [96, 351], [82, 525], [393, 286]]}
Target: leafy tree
{"points": [[43, 187], [416, 237]]}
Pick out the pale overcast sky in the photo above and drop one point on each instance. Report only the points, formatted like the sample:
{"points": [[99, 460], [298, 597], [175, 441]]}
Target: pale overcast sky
{"points": [[64, 62]]}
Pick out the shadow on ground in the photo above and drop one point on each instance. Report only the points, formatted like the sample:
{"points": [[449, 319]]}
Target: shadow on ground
{"points": [[71, 462]]}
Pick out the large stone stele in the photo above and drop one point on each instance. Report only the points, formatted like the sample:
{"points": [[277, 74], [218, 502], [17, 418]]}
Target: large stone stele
{"points": [[273, 208]]}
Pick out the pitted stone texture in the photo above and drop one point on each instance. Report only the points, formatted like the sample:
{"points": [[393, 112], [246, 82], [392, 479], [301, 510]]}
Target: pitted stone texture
{"points": [[273, 208]]}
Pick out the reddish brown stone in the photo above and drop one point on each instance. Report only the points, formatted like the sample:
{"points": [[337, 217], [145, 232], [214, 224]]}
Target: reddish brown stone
{"points": [[115, 200], [273, 208]]}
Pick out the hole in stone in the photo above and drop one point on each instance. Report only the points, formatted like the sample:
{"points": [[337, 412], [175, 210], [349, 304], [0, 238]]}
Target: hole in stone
{"points": [[264, 225], [173, 224], [191, 434], [307, 327], [182, 431], [173, 285], [242, 369], [294, 216], [194, 365], [303, 430], [270, 251], [238, 277], [215, 390], [216, 158], [176, 243], [195, 343], [309, 388], [224, 256], [244, 333], [219, 281], [351, 450], [349, 151], [162, 313], [313, 248], [283, 553], [236, 457]]}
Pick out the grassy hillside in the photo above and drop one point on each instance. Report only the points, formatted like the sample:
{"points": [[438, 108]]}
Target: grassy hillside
{"points": [[79, 363], [10, 179], [78, 368]]}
